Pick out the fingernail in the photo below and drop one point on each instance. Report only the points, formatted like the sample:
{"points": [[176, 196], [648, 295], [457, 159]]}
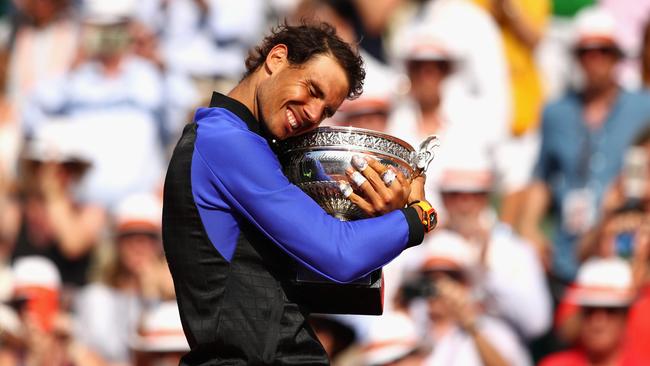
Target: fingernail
{"points": [[358, 178], [359, 162], [346, 188]]}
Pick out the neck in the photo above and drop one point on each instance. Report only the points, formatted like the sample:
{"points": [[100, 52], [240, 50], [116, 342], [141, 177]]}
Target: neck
{"points": [[430, 122], [246, 93], [111, 64], [600, 93]]}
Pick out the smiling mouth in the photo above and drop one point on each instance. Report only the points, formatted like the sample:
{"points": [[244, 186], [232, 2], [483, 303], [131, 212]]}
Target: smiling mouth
{"points": [[292, 119]]}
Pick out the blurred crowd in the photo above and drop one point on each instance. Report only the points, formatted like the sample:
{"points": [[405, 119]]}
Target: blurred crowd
{"points": [[541, 179]]}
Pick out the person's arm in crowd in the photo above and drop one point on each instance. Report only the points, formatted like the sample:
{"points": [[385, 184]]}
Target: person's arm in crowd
{"points": [[520, 23], [9, 214], [489, 70], [77, 228], [519, 290], [535, 209], [241, 167]]}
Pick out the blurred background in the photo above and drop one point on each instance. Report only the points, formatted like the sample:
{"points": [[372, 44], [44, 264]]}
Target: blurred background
{"points": [[542, 179]]}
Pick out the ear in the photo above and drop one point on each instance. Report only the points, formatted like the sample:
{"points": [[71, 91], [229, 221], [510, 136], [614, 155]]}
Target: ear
{"points": [[276, 59]]}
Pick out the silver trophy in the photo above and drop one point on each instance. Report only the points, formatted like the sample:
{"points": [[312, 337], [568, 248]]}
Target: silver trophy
{"points": [[316, 162]]}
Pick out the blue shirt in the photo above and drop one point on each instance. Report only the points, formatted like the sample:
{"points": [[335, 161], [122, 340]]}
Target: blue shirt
{"points": [[574, 156]]}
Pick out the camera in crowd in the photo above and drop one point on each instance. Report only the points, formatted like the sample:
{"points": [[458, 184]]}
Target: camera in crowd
{"points": [[420, 287]]}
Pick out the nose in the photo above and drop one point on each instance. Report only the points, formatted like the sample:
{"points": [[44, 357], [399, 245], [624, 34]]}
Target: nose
{"points": [[314, 111]]}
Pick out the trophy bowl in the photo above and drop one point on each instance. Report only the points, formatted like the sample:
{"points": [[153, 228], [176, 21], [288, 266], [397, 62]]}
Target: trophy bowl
{"points": [[316, 162]]}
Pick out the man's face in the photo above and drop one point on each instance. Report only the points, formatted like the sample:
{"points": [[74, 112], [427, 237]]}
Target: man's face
{"points": [[602, 329], [426, 79], [295, 99], [598, 64]]}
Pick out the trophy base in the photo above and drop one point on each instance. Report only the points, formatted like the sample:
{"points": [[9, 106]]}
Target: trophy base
{"points": [[319, 295]]}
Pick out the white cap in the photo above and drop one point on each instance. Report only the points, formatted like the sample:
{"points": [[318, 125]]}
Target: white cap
{"points": [[139, 212], [390, 337], [36, 271], [595, 26], [161, 330], [106, 12], [424, 42], [56, 141], [445, 250], [603, 282], [466, 168]]}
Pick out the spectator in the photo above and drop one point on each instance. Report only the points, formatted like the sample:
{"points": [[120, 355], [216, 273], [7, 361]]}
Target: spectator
{"points": [[393, 340], [132, 282], [115, 96], [195, 33], [42, 45], [604, 293], [513, 274], [160, 340], [44, 338], [54, 222], [336, 336], [482, 72], [584, 136], [460, 332], [522, 24]]}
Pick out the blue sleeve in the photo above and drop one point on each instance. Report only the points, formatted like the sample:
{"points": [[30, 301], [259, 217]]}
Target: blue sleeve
{"points": [[244, 171]]}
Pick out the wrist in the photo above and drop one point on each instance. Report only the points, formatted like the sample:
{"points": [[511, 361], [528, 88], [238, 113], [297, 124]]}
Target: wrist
{"points": [[427, 214]]}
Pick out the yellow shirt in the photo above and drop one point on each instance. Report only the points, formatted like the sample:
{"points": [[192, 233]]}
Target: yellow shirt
{"points": [[525, 78]]}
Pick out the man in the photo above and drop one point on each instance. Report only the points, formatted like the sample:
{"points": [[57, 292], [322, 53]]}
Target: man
{"points": [[461, 332], [584, 136], [234, 228], [603, 292], [512, 274]]}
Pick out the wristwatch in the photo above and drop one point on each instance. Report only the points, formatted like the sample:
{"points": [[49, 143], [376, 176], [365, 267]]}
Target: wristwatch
{"points": [[429, 215]]}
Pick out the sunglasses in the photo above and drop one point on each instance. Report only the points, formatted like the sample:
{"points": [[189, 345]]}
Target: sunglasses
{"points": [[444, 66], [602, 51], [454, 275], [609, 310]]}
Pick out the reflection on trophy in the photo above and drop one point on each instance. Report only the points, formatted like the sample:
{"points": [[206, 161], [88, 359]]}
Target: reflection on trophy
{"points": [[316, 162]]}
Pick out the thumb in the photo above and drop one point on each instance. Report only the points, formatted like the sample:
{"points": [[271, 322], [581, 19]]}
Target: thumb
{"points": [[417, 188]]}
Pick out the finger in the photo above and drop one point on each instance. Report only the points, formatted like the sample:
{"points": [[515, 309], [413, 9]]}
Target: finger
{"points": [[364, 186], [374, 175], [364, 205], [417, 188], [404, 186]]}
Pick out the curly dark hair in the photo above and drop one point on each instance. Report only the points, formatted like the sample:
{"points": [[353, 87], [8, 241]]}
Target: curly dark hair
{"points": [[304, 41]]}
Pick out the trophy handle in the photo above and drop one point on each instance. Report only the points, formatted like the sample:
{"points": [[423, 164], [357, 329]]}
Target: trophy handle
{"points": [[425, 154]]}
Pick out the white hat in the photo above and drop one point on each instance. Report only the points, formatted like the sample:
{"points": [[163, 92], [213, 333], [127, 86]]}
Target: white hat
{"points": [[35, 271], [56, 141], [161, 330], [445, 250], [390, 337], [466, 168], [595, 26], [424, 42], [106, 12], [139, 212], [603, 282]]}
